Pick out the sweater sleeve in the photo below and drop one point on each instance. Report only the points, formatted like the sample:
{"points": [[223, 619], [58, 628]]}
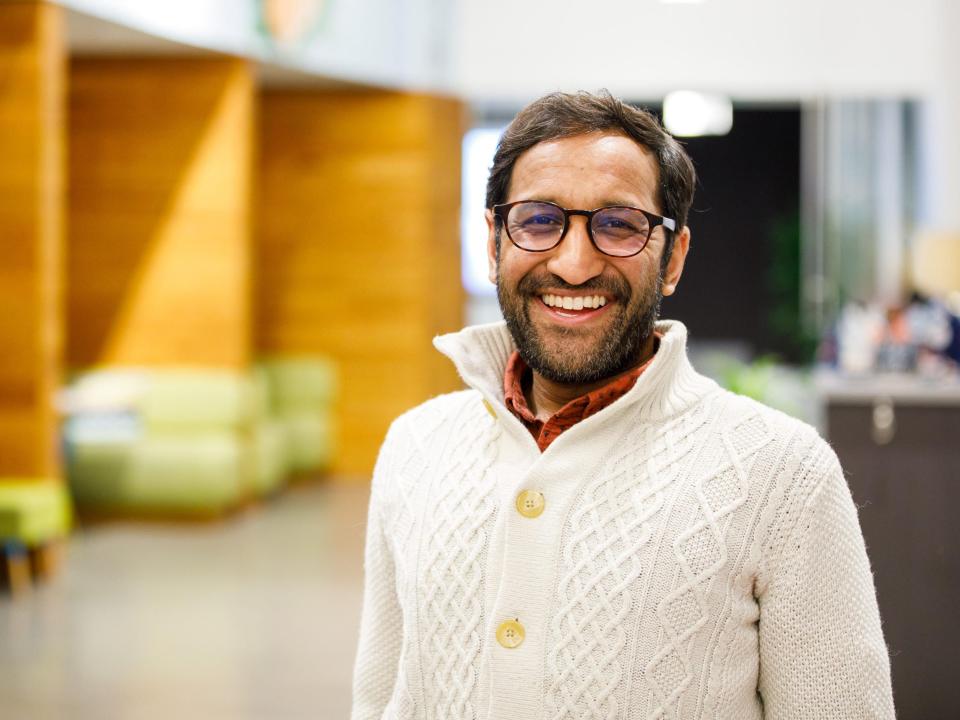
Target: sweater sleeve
{"points": [[381, 622], [822, 653]]}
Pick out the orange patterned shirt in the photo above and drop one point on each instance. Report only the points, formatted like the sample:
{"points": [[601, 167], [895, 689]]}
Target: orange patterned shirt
{"points": [[570, 414]]}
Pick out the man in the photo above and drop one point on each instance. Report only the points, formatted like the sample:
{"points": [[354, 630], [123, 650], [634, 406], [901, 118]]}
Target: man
{"points": [[593, 530]]}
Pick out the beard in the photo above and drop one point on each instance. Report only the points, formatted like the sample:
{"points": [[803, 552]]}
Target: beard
{"points": [[569, 355]]}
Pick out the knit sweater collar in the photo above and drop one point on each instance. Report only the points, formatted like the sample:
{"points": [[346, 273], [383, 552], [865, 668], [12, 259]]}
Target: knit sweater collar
{"points": [[666, 387]]}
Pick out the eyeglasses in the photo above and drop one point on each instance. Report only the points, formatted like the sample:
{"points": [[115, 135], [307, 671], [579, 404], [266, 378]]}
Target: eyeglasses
{"points": [[538, 226]]}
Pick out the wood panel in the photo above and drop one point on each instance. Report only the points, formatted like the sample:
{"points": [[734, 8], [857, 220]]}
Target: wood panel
{"points": [[32, 77], [358, 247], [160, 175]]}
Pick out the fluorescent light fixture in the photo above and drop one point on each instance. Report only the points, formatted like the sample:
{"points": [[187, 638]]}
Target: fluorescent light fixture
{"points": [[682, 2], [688, 114]]}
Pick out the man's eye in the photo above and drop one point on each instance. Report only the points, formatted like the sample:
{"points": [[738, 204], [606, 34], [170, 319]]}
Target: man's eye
{"points": [[541, 220], [616, 224]]}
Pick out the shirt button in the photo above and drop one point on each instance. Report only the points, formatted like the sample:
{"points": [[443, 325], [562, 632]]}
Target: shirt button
{"points": [[510, 634], [530, 503]]}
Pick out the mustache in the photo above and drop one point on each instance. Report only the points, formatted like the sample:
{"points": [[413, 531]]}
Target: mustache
{"points": [[617, 287]]}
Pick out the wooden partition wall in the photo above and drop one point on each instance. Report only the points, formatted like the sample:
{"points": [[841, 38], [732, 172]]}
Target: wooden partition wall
{"points": [[32, 82], [160, 174], [358, 248]]}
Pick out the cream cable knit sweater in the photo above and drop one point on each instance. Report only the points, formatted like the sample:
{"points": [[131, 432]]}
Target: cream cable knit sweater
{"points": [[699, 556]]}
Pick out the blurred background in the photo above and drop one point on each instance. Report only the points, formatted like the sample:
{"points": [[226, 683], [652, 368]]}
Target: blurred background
{"points": [[230, 229]]}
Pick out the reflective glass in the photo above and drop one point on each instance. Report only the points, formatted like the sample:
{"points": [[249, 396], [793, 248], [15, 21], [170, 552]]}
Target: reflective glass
{"points": [[534, 225], [620, 230]]}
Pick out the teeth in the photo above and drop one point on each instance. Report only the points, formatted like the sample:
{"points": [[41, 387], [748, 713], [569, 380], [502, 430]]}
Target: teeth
{"points": [[574, 303]]}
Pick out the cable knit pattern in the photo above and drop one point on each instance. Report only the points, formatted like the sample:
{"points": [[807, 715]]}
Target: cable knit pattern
{"points": [[601, 566], [454, 556], [698, 556]]}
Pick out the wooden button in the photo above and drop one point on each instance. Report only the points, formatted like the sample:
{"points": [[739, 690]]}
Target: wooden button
{"points": [[510, 634], [530, 503]]}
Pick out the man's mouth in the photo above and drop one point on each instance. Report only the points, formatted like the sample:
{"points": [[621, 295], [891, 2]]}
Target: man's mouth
{"points": [[574, 302]]}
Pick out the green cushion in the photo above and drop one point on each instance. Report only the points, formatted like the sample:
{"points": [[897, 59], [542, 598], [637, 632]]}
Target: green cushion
{"points": [[183, 439], [207, 472], [310, 440], [300, 383], [203, 473], [271, 456], [196, 400], [111, 389], [182, 399], [97, 470], [34, 512], [261, 392]]}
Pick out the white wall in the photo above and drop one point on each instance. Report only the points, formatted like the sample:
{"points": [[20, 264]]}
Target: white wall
{"points": [[751, 49]]}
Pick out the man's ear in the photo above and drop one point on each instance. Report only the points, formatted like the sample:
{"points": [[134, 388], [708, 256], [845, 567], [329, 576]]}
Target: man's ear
{"points": [[678, 256], [491, 245]]}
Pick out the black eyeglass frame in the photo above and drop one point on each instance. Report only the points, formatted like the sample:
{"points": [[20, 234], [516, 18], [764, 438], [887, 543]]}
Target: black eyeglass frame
{"points": [[500, 212]]}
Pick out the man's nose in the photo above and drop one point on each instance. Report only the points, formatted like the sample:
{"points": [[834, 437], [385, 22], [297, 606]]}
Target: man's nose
{"points": [[575, 260]]}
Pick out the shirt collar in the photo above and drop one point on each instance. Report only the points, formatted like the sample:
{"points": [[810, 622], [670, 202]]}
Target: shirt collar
{"points": [[668, 385]]}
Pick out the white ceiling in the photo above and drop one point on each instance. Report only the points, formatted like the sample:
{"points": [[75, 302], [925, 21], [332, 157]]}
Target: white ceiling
{"points": [[506, 51]]}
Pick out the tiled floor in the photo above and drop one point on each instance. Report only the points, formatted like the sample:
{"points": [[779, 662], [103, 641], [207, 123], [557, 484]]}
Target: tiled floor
{"points": [[254, 617]]}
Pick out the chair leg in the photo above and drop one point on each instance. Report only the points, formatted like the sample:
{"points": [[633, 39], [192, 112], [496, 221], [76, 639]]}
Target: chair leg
{"points": [[16, 567], [45, 560]]}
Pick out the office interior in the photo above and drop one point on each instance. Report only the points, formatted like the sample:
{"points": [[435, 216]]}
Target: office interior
{"points": [[231, 229]]}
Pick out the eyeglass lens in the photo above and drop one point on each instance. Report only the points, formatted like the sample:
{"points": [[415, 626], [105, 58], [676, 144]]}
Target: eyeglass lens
{"points": [[616, 230]]}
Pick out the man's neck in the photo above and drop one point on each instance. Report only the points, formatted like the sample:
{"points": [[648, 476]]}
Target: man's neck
{"points": [[545, 397]]}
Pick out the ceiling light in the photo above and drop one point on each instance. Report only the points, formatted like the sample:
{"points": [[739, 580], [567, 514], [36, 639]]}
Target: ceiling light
{"points": [[688, 114]]}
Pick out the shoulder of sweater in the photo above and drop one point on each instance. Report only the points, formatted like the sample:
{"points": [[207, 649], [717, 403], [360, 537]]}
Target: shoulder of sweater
{"points": [[426, 416], [793, 462], [738, 409], [414, 434], [800, 458]]}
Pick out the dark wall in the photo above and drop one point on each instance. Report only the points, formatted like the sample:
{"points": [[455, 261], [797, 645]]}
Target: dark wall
{"points": [[744, 220]]}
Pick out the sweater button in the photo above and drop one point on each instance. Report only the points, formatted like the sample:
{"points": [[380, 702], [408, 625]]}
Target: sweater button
{"points": [[530, 503], [510, 634]]}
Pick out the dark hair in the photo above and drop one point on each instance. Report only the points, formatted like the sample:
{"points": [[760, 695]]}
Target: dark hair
{"points": [[561, 115]]}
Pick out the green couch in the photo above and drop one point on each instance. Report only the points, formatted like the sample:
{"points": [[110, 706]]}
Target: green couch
{"points": [[195, 440]]}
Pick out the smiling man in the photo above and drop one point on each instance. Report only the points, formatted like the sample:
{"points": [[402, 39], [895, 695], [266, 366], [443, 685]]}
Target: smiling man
{"points": [[594, 530]]}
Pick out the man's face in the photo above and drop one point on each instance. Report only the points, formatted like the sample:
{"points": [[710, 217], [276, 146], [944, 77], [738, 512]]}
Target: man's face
{"points": [[581, 346]]}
